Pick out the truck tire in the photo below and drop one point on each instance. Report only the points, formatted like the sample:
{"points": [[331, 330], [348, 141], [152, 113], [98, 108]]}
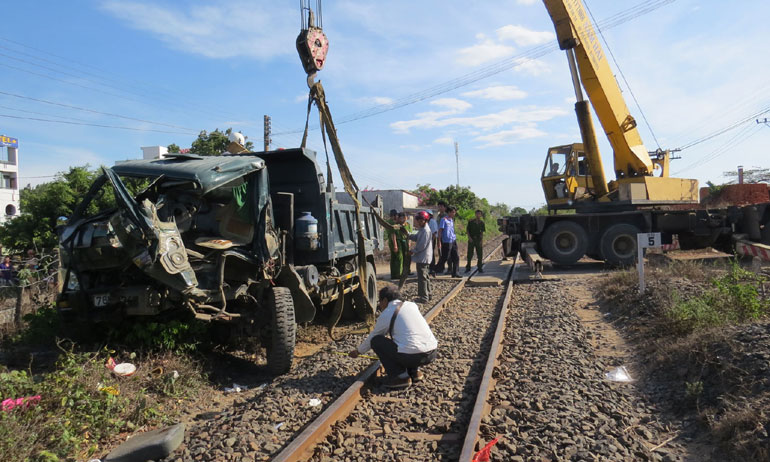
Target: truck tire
{"points": [[564, 242], [283, 331], [362, 310], [618, 244]]}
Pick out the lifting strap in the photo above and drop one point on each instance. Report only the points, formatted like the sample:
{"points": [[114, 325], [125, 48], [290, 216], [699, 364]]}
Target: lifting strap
{"points": [[318, 97]]}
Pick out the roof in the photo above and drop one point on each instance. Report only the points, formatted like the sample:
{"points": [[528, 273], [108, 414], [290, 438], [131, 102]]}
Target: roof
{"points": [[209, 172]]}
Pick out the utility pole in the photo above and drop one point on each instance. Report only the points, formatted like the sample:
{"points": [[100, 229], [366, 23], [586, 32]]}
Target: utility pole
{"points": [[267, 133], [765, 121], [457, 161]]}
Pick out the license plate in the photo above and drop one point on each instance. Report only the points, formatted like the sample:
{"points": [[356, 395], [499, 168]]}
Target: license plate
{"points": [[101, 300]]}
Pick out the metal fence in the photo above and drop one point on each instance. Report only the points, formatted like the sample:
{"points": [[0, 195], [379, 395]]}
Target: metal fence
{"points": [[28, 283]]}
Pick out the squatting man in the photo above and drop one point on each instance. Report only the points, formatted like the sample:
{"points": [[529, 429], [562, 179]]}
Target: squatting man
{"points": [[401, 338]]}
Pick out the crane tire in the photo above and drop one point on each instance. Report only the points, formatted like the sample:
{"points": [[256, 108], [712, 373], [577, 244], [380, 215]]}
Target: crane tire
{"points": [[564, 242], [618, 244], [283, 331]]}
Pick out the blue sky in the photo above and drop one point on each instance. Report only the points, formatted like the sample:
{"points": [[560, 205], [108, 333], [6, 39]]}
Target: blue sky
{"points": [[168, 69]]}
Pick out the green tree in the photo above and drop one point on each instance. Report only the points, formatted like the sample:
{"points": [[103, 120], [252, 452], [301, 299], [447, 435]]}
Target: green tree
{"points": [[214, 143], [173, 148], [42, 205], [518, 211]]}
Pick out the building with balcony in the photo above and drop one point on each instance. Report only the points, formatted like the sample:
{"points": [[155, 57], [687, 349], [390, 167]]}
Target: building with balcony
{"points": [[9, 183]]}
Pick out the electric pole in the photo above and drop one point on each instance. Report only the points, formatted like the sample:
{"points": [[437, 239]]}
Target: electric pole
{"points": [[267, 133], [457, 161], [765, 121]]}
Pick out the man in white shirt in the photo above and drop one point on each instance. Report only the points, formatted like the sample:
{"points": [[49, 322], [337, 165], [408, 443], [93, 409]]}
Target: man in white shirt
{"points": [[410, 344]]}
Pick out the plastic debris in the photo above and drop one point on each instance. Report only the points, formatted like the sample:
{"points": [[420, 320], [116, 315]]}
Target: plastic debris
{"points": [[124, 369], [11, 403], [619, 374], [114, 391], [277, 426], [485, 453], [236, 388], [314, 402]]}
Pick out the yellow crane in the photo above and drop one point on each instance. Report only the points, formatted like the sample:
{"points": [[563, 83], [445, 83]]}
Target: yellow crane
{"points": [[573, 174]]}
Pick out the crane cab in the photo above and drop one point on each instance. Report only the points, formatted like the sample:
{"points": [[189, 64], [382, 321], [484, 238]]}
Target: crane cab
{"points": [[566, 176]]}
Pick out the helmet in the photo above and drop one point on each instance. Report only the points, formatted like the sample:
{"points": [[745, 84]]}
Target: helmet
{"points": [[423, 216]]}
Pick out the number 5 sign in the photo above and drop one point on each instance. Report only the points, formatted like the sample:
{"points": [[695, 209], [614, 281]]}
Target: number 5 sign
{"points": [[644, 241]]}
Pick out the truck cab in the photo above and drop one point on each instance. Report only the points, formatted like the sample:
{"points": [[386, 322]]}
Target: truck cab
{"points": [[256, 239]]}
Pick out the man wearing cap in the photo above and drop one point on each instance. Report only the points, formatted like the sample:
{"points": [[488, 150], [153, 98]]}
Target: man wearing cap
{"points": [[396, 257], [421, 255]]}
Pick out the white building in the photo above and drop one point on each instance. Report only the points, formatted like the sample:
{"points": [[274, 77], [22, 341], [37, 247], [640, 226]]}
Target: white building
{"points": [[397, 199], [154, 152], [9, 184]]}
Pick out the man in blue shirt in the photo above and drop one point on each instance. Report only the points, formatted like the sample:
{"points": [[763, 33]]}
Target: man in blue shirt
{"points": [[448, 238]]}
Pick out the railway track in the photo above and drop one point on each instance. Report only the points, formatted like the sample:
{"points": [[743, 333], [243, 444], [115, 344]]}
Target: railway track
{"points": [[437, 419], [265, 420]]}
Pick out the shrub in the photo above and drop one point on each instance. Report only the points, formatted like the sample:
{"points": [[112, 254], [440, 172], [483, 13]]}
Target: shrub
{"points": [[82, 405]]}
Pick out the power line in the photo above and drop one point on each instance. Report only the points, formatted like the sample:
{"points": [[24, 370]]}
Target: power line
{"points": [[739, 138], [110, 114], [724, 129], [8, 116], [617, 65], [134, 84], [493, 69]]}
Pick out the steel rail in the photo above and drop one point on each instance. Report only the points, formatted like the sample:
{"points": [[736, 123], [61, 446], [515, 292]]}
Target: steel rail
{"points": [[304, 443], [487, 382]]}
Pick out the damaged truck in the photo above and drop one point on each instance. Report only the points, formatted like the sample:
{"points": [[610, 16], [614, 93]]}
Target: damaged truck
{"points": [[255, 240]]}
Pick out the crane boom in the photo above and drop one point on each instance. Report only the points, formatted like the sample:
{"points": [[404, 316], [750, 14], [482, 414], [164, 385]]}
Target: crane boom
{"points": [[575, 31]]}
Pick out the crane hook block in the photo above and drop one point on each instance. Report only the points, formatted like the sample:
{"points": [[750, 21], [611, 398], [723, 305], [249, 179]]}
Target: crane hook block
{"points": [[312, 46]]}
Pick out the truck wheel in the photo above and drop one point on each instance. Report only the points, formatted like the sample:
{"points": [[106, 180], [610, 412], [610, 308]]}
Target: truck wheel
{"points": [[283, 331], [564, 242], [363, 312], [618, 244]]}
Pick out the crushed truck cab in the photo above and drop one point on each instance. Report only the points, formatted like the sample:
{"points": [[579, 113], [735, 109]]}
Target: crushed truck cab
{"points": [[255, 240]]}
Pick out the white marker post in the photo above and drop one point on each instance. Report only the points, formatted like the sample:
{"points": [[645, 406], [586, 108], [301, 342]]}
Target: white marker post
{"points": [[644, 241]]}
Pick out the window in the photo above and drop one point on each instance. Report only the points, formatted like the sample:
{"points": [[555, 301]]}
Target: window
{"points": [[8, 155], [9, 182], [10, 210]]}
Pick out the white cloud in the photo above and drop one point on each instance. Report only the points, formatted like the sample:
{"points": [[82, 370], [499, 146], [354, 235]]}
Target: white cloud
{"points": [[376, 100], [453, 104], [498, 93], [523, 36], [444, 140], [435, 119], [239, 29], [526, 2], [485, 51], [534, 67], [511, 136]]}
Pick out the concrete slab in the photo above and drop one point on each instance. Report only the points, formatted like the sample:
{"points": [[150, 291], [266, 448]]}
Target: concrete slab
{"points": [[495, 273], [152, 445]]}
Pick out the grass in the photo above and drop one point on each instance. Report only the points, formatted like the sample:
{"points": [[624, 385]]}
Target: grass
{"points": [[83, 406], [711, 297], [702, 331]]}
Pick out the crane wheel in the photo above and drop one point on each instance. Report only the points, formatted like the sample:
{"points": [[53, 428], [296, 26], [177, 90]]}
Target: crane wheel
{"points": [[564, 242], [618, 244]]}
